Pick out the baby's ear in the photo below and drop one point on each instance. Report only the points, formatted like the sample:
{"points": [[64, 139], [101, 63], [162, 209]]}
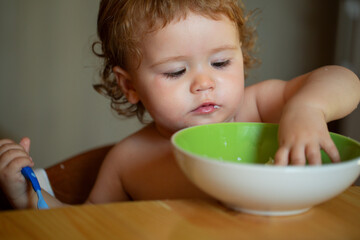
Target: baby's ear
{"points": [[124, 81]]}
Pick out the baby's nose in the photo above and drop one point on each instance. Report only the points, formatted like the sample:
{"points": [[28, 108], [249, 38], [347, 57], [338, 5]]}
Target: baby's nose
{"points": [[202, 83]]}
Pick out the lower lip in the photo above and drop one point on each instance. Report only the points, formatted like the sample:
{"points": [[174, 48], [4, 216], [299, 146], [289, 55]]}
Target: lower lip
{"points": [[206, 109]]}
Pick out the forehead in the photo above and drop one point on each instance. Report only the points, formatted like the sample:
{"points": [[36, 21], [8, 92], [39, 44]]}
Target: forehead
{"points": [[185, 22], [190, 35]]}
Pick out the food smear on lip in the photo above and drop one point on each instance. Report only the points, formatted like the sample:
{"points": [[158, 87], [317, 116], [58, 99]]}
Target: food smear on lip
{"points": [[206, 108]]}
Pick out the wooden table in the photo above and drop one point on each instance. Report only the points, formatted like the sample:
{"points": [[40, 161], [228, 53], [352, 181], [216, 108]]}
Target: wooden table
{"points": [[338, 218]]}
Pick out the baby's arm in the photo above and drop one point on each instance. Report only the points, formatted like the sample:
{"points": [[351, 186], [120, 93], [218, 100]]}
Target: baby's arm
{"points": [[108, 186], [306, 104], [13, 157]]}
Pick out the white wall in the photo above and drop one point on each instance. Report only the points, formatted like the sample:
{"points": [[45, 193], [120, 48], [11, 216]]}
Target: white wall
{"points": [[293, 36], [46, 75], [348, 55], [47, 69]]}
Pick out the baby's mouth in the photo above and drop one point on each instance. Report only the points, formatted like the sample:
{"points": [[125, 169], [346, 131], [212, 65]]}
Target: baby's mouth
{"points": [[206, 108]]}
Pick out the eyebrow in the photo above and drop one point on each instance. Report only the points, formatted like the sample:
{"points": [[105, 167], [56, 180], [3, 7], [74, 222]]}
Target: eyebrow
{"points": [[223, 48], [168, 59], [175, 58]]}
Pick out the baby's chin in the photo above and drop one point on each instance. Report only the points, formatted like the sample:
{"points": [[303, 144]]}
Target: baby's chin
{"points": [[180, 124], [203, 122]]}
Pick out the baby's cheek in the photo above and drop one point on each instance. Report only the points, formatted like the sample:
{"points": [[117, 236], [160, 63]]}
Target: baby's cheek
{"points": [[165, 110]]}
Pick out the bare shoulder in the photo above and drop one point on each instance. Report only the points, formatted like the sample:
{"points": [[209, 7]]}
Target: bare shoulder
{"points": [[131, 149], [109, 184], [264, 100], [265, 88]]}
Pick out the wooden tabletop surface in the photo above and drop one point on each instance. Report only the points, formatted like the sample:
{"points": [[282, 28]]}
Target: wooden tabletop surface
{"points": [[338, 218]]}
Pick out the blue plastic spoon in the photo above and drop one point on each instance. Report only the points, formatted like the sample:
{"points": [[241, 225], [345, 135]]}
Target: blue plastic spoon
{"points": [[29, 174]]}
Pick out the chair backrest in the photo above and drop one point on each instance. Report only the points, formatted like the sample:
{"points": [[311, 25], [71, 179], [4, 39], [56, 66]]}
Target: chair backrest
{"points": [[73, 179]]}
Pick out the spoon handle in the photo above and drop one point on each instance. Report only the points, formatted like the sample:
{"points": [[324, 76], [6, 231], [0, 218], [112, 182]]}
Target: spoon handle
{"points": [[30, 175]]}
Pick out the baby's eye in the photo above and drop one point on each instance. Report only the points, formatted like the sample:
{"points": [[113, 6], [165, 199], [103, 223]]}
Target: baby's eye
{"points": [[175, 74], [220, 64]]}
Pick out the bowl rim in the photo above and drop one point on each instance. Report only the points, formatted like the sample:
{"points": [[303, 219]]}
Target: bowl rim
{"points": [[355, 161]]}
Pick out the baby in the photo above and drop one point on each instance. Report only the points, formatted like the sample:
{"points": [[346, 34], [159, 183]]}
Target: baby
{"points": [[184, 63]]}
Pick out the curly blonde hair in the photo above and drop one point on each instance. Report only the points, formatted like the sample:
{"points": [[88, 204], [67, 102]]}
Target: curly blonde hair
{"points": [[122, 24]]}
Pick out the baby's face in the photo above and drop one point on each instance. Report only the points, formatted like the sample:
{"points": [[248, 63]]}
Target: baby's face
{"points": [[191, 73]]}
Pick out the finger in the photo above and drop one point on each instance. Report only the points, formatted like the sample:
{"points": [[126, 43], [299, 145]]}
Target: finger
{"points": [[282, 156], [11, 154], [8, 146], [25, 143], [313, 154], [297, 155], [13, 169], [330, 148], [4, 141], [18, 163]]}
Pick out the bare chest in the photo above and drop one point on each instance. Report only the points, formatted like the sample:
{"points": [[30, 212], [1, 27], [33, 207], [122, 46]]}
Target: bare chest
{"points": [[156, 175]]}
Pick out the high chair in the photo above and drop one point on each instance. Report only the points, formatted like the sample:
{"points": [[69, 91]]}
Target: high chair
{"points": [[73, 179]]}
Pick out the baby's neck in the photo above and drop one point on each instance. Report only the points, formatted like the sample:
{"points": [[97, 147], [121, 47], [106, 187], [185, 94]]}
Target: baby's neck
{"points": [[163, 132]]}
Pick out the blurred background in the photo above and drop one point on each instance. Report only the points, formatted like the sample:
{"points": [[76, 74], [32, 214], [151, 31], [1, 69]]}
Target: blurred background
{"points": [[47, 68]]}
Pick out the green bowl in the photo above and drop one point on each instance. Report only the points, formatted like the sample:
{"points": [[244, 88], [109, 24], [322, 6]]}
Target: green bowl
{"points": [[248, 142], [227, 160]]}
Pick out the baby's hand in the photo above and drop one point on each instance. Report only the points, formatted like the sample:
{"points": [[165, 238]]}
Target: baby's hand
{"points": [[302, 134], [13, 157]]}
